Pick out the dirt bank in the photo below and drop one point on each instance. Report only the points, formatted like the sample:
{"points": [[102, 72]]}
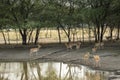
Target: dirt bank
{"points": [[110, 55]]}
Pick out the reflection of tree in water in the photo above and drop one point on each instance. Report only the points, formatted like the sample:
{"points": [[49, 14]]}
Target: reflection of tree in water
{"points": [[28, 71], [72, 71], [3, 78], [94, 75], [36, 76], [68, 75], [7, 69], [60, 72], [25, 69], [51, 73], [32, 71]]}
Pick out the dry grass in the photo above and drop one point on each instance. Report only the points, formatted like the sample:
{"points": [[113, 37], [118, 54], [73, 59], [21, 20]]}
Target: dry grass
{"points": [[50, 35]]}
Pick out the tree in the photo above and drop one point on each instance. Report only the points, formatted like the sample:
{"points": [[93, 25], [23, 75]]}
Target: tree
{"points": [[22, 12], [5, 17], [98, 11], [113, 19]]}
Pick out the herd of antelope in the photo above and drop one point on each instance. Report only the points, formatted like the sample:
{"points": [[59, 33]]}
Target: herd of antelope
{"points": [[96, 58], [87, 55]]}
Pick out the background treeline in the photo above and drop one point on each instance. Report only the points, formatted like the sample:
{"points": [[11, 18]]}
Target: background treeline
{"points": [[27, 16]]}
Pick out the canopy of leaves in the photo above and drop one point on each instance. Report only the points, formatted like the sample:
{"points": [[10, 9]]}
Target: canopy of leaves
{"points": [[47, 13]]}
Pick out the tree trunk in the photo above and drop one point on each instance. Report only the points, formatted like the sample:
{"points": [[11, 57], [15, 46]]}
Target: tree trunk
{"points": [[118, 34], [24, 39], [23, 33], [59, 34], [89, 33], [4, 37], [69, 40], [73, 37], [82, 33], [29, 38], [111, 32], [46, 35], [67, 34], [8, 37], [16, 36], [102, 33], [98, 33], [95, 33], [37, 36], [50, 33]]}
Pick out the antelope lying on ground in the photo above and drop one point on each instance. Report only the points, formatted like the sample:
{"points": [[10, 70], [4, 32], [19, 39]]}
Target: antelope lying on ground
{"points": [[96, 60], [108, 37], [34, 50], [99, 45], [86, 58], [71, 44]]}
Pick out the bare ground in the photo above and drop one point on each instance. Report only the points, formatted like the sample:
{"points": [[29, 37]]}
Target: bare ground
{"points": [[110, 54]]}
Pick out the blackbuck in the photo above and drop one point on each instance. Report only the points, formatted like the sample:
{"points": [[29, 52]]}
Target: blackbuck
{"points": [[94, 49], [78, 45], [99, 45], [70, 45], [96, 59], [86, 57], [35, 50], [108, 37], [102, 45]]}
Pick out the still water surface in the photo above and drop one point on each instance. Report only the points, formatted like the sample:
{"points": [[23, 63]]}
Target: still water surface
{"points": [[48, 71]]}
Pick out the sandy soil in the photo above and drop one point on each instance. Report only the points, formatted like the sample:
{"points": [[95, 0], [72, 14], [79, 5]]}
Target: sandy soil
{"points": [[110, 55]]}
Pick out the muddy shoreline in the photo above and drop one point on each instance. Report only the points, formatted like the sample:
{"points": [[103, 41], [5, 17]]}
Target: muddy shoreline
{"points": [[110, 55]]}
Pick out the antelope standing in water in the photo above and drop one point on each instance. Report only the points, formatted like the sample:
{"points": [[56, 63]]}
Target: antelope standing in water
{"points": [[35, 50]]}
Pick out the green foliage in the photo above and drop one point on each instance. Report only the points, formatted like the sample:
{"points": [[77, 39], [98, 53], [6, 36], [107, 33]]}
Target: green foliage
{"points": [[5, 17], [114, 16], [47, 13]]}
